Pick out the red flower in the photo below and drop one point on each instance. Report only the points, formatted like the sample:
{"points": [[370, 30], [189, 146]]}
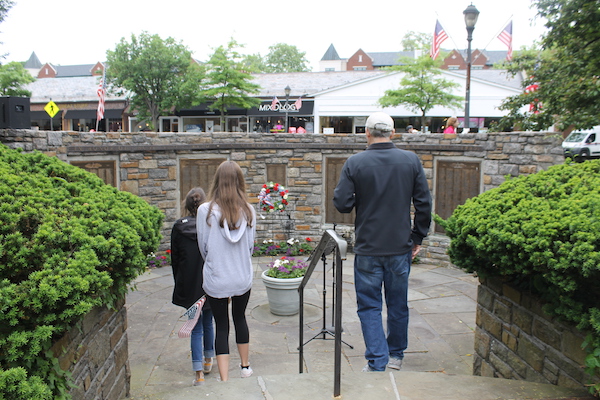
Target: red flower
{"points": [[278, 246], [265, 186], [169, 251], [308, 239]]}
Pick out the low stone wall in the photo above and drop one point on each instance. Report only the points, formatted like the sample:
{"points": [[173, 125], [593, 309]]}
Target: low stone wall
{"points": [[515, 339], [95, 352], [148, 165]]}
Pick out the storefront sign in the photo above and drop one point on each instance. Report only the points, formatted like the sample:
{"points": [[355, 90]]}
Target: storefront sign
{"points": [[282, 107]]}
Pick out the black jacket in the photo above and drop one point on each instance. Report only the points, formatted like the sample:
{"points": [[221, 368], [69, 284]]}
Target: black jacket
{"points": [[187, 263], [381, 183]]}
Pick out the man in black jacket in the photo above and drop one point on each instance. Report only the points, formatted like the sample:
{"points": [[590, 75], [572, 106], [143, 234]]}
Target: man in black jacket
{"points": [[381, 183]]}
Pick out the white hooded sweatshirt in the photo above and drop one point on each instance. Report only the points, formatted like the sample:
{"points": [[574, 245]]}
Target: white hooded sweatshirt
{"points": [[227, 253]]}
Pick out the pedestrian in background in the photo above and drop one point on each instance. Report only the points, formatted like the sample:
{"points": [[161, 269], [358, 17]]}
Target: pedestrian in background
{"points": [[226, 231], [381, 183], [451, 125], [187, 264]]}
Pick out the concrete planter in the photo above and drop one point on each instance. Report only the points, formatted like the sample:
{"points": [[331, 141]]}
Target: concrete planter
{"points": [[282, 294]]}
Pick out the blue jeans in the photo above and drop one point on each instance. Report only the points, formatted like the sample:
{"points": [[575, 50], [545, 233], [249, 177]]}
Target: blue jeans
{"points": [[370, 273], [203, 340]]}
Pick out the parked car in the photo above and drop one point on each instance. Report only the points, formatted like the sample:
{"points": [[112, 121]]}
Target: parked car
{"points": [[581, 145]]}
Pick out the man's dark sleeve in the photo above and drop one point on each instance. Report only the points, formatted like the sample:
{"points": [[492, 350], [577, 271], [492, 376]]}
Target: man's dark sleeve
{"points": [[423, 207], [343, 195]]}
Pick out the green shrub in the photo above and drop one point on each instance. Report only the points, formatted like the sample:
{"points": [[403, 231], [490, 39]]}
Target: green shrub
{"points": [[542, 233], [68, 243]]}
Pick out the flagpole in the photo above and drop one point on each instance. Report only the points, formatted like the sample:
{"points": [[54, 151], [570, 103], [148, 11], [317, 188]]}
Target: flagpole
{"points": [[497, 33]]}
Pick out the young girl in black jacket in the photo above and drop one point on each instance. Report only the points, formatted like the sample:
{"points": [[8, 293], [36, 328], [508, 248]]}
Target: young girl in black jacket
{"points": [[187, 266]]}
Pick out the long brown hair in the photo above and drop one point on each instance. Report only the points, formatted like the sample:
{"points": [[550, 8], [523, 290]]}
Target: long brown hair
{"points": [[192, 201], [228, 190]]}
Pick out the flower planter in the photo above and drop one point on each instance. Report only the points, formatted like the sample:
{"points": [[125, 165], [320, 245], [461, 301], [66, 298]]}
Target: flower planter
{"points": [[282, 294]]}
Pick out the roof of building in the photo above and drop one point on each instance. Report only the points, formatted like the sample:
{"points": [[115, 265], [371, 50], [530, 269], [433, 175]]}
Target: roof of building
{"points": [[495, 76], [308, 83], [382, 59], [33, 62], [331, 54], [68, 71], [69, 89], [80, 89]]}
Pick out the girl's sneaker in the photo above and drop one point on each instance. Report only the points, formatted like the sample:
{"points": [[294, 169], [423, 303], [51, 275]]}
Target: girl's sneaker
{"points": [[199, 381], [246, 372], [207, 366]]}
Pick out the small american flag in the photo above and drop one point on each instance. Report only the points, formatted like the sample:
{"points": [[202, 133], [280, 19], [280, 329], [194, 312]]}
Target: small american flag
{"points": [[193, 314], [274, 103], [102, 95], [298, 103], [438, 37], [506, 37]]}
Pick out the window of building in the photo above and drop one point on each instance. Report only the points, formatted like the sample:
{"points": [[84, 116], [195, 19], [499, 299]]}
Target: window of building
{"points": [[201, 124], [360, 68], [169, 124], [360, 58], [329, 69], [339, 124], [237, 124]]}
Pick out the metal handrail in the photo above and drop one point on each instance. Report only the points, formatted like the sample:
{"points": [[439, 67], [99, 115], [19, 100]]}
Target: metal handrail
{"points": [[330, 242]]}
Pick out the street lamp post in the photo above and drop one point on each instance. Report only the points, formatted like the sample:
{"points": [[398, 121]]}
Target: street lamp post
{"points": [[287, 108], [471, 13]]}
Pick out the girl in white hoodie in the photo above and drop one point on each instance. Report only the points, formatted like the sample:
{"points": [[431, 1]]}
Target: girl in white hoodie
{"points": [[226, 229]]}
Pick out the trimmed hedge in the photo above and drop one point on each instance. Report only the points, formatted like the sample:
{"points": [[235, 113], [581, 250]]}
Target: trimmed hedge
{"points": [[542, 233], [68, 243]]}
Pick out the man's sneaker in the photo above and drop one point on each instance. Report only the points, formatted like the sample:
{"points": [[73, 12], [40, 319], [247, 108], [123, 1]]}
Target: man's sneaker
{"points": [[246, 372], [367, 368], [199, 381], [395, 363]]}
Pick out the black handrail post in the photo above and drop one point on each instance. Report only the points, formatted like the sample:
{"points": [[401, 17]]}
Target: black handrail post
{"points": [[330, 242], [338, 324]]}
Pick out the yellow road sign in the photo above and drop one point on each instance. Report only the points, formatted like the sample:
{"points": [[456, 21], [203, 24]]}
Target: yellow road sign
{"points": [[51, 108]]}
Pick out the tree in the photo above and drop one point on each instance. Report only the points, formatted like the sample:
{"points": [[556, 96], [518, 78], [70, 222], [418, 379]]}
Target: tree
{"points": [[254, 63], [286, 58], [159, 75], [12, 78], [419, 90], [564, 70], [416, 41], [229, 84]]}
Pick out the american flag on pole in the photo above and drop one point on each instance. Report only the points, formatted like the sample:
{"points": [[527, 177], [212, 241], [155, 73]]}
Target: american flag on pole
{"points": [[439, 35], [298, 103], [274, 103], [102, 95], [506, 37]]}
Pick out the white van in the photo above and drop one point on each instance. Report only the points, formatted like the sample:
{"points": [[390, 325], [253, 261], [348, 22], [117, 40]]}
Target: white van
{"points": [[581, 145]]}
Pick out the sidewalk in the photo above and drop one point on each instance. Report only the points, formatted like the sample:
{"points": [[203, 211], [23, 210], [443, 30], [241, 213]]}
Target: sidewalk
{"points": [[437, 365]]}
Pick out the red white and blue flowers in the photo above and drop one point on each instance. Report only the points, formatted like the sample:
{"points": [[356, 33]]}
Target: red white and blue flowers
{"points": [[273, 197]]}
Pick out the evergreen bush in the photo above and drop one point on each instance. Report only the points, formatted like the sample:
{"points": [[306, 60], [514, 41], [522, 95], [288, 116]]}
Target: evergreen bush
{"points": [[542, 233], [68, 243]]}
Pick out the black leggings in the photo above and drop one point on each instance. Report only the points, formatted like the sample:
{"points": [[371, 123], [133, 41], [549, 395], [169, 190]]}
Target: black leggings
{"points": [[220, 311]]}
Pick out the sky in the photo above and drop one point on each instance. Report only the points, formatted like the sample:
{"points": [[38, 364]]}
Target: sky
{"points": [[69, 32]]}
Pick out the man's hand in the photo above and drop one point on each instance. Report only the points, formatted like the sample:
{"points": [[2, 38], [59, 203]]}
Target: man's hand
{"points": [[415, 250]]}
